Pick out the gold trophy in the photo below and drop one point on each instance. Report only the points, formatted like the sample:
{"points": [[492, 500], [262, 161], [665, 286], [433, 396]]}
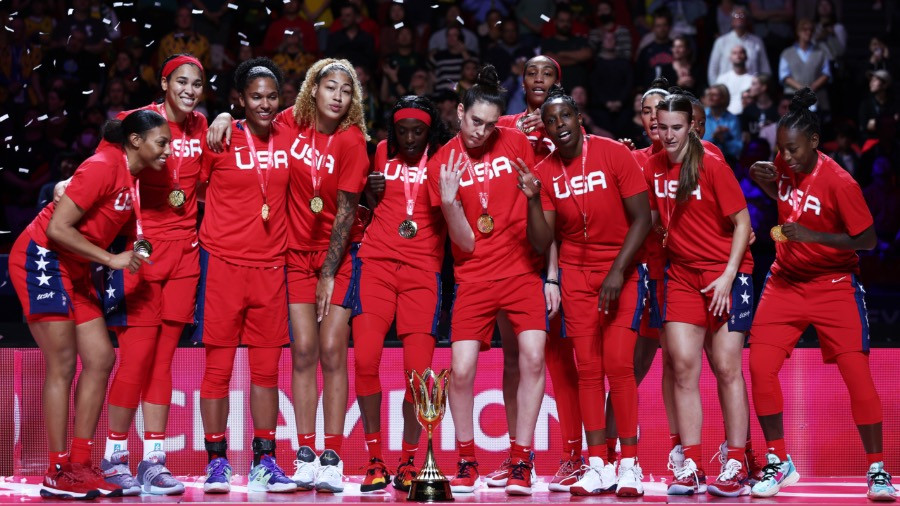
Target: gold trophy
{"points": [[429, 393]]}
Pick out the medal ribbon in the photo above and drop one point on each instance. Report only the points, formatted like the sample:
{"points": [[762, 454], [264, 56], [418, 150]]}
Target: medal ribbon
{"points": [[411, 196], [582, 208], [316, 161], [485, 190], [263, 185], [796, 205], [134, 189], [177, 166]]}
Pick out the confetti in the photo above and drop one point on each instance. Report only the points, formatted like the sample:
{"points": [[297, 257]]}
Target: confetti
{"points": [[245, 43], [459, 20], [398, 1], [398, 25], [39, 66], [102, 65], [71, 11], [150, 43], [8, 29], [8, 138], [107, 21], [148, 26], [87, 92], [544, 18], [288, 32], [232, 6], [117, 4], [213, 78], [196, 11], [320, 23], [268, 11], [42, 117], [4, 118], [435, 6], [116, 28], [241, 35], [23, 170]]}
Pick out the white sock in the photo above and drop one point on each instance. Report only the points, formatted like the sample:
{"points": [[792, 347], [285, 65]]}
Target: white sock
{"points": [[114, 445], [153, 445]]}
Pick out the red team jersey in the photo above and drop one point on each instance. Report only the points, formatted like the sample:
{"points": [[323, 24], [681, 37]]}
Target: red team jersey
{"points": [[610, 175], [232, 228], [505, 252], [159, 219], [700, 229], [834, 204], [382, 241], [100, 187], [343, 167], [540, 143]]}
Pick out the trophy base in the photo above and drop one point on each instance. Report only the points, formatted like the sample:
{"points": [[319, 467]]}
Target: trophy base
{"points": [[430, 491]]}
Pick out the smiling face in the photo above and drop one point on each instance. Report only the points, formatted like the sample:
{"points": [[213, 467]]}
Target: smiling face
{"points": [[153, 148], [477, 123], [412, 139], [260, 102], [183, 88], [648, 116], [798, 150], [674, 128], [333, 96], [563, 125], [540, 75]]}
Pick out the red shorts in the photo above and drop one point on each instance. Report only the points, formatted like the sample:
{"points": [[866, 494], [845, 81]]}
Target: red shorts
{"points": [[476, 304], [165, 290], [580, 291], [303, 268], [50, 287], [240, 305], [685, 304], [385, 286], [834, 305], [651, 317]]}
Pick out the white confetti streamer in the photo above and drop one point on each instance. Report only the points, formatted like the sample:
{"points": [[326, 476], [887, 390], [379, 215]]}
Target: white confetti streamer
{"points": [[232, 6], [87, 92], [460, 20], [544, 18], [196, 12], [398, 25], [42, 117], [4, 118]]}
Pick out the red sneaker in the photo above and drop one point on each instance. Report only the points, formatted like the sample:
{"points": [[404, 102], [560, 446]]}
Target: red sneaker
{"points": [[568, 474], [732, 482], [64, 483], [406, 473], [377, 476], [519, 479], [753, 467], [689, 480], [466, 478], [498, 478], [93, 477]]}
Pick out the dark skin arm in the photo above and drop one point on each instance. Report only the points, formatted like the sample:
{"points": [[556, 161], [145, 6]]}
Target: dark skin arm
{"points": [[766, 177], [540, 224], [866, 240], [637, 207], [340, 238]]}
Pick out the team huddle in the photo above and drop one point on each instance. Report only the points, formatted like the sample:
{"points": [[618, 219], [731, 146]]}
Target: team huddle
{"points": [[586, 254]]}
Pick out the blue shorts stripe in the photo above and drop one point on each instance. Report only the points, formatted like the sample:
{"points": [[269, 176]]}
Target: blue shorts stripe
{"points": [[436, 320], [662, 314], [860, 296], [43, 277], [351, 298], [201, 296], [643, 282], [656, 320], [741, 316], [112, 296], [452, 304]]}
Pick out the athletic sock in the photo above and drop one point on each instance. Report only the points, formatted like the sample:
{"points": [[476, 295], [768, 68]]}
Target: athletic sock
{"points": [[628, 452], [675, 439], [736, 454], [373, 442], [466, 450], [55, 458], [115, 442], [693, 452], [518, 452], [776, 446], [263, 444], [308, 439], [408, 451], [153, 442], [334, 442], [596, 450], [216, 445], [81, 450], [872, 458]]}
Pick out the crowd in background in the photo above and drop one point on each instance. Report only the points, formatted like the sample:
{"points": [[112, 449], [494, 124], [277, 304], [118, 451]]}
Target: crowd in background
{"points": [[66, 66]]}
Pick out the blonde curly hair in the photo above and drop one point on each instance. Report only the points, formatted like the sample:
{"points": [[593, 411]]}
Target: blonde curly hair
{"points": [[305, 106]]}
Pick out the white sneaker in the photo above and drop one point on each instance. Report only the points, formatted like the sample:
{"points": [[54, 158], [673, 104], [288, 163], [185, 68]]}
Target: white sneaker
{"points": [[305, 468], [330, 475], [597, 478], [676, 459], [689, 480], [629, 479]]}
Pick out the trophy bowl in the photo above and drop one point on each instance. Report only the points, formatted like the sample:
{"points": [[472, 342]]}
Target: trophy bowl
{"points": [[429, 393]]}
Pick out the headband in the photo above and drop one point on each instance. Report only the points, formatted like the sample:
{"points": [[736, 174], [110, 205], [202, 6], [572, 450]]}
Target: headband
{"points": [[555, 63], [652, 91], [334, 66], [260, 70], [178, 61], [412, 113]]}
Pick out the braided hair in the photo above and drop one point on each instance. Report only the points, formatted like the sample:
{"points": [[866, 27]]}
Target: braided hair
{"points": [[799, 116], [557, 94]]}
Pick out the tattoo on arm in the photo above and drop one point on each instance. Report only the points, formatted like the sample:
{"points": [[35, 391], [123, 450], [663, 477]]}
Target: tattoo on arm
{"points": [[340, 231]]}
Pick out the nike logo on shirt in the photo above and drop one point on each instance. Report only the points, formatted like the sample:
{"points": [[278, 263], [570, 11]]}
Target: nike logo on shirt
{"points": [[838, 279]]}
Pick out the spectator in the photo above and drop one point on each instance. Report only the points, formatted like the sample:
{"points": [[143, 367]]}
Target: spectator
{"points": [[883, 197], [421, 82], [124, 69], [611, 82], [481, 11], [39, 26], [722, 128], [184, 39], [507, 49], [685, 14], [515, 83], [879, 56], [448, 63], [62, 167], [290, 23], [720, 58], [605, 21], [769, 131], [370, 104], [878, 106], [466, 77], [655, 58], [80, 19], [364, 22], [772, 22], [289, 90], [291, 57], [761, 111], [317, 11], [723, 16], [390, 30], [18, 59], [636, 132], [688, 73], [399, 66], [489, 31], [115, 99], [438, 40], [447, 102], [830, 34], [846, 152], [578, 29], [580, 96], [737, 80], [570, 51], [351, 42], [804, 64], [78, 70], [530, 15]]}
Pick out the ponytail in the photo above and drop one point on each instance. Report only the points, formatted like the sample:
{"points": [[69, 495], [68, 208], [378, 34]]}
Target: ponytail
{"points": [[138, 122], [486, 89], [689, 177]]}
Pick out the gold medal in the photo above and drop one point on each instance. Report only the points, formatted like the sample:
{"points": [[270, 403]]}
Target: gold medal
{"points": [[408, 229], [485, 223], [177, 198], [777, 234], [316, 204], [143, 248], [265, 212]]}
